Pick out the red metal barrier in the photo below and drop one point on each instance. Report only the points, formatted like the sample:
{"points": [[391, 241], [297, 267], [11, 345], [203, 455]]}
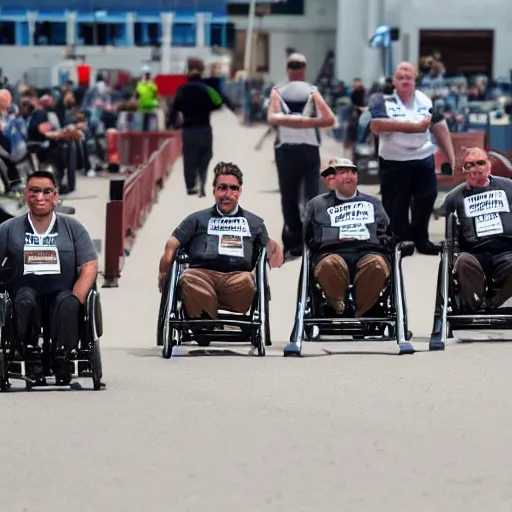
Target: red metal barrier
{"points": [[132, 197]]}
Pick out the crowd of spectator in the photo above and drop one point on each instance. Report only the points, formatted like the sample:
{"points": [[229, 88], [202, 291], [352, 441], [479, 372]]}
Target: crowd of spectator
{"points": [[62, 128]]}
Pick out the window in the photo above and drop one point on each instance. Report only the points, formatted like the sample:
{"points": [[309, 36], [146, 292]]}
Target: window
{"points": [[222, 35], [147, 34], [49, 33], [7, 33], [184, 34], [101, 34], [288, 7]]}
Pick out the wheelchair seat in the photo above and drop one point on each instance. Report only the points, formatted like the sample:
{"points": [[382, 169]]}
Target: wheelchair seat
{"points": [[17, 365], [449, 313], [386, 321], [174, 327]]}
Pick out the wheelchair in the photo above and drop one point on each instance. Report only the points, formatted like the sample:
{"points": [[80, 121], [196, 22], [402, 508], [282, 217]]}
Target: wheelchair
{"points": [[175, 328], [87, 360], [449, 314], [386, 321]]}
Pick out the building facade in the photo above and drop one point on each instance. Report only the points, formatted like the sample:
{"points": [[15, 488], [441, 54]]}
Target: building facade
{"points": [[464, 31], [472, 36]]}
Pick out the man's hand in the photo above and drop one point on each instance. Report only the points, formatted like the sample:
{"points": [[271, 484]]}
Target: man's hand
{"points": [[275, 254], [161, 281], [424, 124]]}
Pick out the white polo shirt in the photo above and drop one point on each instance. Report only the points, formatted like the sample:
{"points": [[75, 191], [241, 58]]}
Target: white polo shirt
{"points": [[403, 146]]}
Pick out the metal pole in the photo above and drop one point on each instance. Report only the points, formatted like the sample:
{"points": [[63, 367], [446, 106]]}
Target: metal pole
{"points": [[248, 37]]}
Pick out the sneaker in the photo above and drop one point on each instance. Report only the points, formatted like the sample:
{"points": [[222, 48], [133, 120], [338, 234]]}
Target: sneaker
{"points": [[91, 173]]}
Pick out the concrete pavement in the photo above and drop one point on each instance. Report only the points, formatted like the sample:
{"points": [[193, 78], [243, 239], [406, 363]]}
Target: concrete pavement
{"points": [[360, 430]]}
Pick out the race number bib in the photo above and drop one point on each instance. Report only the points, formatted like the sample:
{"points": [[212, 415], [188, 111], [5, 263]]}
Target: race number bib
{"points": [[231, 232], [40, 253], [485, 209], [352, 219]]}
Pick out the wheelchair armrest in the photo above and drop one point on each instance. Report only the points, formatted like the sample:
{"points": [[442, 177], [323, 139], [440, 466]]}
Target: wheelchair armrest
{"points": [[406, 248], [182, 257]]}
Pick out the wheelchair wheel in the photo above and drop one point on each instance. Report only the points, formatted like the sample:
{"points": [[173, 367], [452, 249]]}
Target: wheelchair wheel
{"points": [[96, 366], [258, 342], [171, 338], [163, 313]]}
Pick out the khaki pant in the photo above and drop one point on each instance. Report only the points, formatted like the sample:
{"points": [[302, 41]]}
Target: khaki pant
{"points": [[207, 291], [475, 271], [371, 273]]}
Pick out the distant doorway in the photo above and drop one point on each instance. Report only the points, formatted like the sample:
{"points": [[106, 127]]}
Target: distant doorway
{"points": [[468, 52]]}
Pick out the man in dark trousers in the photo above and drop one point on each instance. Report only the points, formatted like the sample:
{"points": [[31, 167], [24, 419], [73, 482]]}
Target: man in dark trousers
{"points": [[402, 121], [298, 111], [193, 104]]}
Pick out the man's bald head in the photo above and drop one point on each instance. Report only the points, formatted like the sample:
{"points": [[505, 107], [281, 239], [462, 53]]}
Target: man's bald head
{"points": [[477, 166], [405, 81], [5, 98], [406, 67]]}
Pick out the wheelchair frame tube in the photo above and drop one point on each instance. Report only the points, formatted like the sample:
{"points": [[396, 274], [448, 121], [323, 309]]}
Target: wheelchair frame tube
{"points": [[444, 293], [170, 299], [262, 270], [298, 333], [399, 296]]}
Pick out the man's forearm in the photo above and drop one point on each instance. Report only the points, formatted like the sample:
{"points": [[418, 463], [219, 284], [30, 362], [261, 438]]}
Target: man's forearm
{"points": [[85, 281], [292, 121], [444, 139], [379, 126], [166, 261]]}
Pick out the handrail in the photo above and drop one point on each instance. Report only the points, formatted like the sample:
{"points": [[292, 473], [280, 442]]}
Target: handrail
{"points": [[132, 197]]}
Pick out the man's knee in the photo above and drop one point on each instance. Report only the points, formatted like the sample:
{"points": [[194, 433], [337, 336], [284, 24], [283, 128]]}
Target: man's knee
{"points": [[330, 266], [197, 293], [376, 263], [239, 291], [467, 266]]}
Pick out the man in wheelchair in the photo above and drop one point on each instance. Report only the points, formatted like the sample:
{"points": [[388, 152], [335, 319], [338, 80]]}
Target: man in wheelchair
{"points": [[56, 265], [220, 243], [482, 204], [347, 232]]}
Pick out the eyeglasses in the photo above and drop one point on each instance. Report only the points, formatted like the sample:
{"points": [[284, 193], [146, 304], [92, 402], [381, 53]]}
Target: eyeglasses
{"points": [[234, 188], [34, 191], [296, 65], [471, 165]]}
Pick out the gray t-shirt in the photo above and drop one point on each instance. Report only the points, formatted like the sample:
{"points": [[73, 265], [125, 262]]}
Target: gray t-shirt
{"points": [[484, 215], [296, 99], [46, 263], [334, 225], [224, 243]]}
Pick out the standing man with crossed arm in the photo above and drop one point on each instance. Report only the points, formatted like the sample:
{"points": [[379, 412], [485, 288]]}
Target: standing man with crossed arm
{"points": [[402, 121], [297, 110]]}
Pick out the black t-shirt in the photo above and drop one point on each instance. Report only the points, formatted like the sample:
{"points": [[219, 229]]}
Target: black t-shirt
{"points": [[37, 118]]}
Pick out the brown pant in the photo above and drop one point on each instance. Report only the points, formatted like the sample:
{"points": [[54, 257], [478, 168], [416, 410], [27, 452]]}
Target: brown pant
{"points": [[371, 273], [473, 273], [207, 291]]}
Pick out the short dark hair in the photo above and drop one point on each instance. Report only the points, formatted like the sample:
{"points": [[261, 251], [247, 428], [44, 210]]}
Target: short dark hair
{"points": [[227, 169], [42, 174]]}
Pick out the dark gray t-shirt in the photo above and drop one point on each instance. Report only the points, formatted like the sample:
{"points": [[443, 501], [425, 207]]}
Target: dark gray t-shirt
{"points": [[47, 263], [484, 215], [339, 225], [296, 99], [224, 243]]}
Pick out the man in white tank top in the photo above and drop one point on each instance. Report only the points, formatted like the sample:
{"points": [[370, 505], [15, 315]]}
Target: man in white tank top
{"points": [[298, 111], [402, 121]]}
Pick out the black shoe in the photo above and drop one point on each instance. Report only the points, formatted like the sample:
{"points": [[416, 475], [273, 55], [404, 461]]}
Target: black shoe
{"points": [[191, 191], [428, 248], [202, 192]]}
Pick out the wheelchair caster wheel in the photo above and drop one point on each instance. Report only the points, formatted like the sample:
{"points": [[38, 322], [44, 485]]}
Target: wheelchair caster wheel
{"points": [[291, 350], [435, 343], [5, 385], [406, 348]]}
